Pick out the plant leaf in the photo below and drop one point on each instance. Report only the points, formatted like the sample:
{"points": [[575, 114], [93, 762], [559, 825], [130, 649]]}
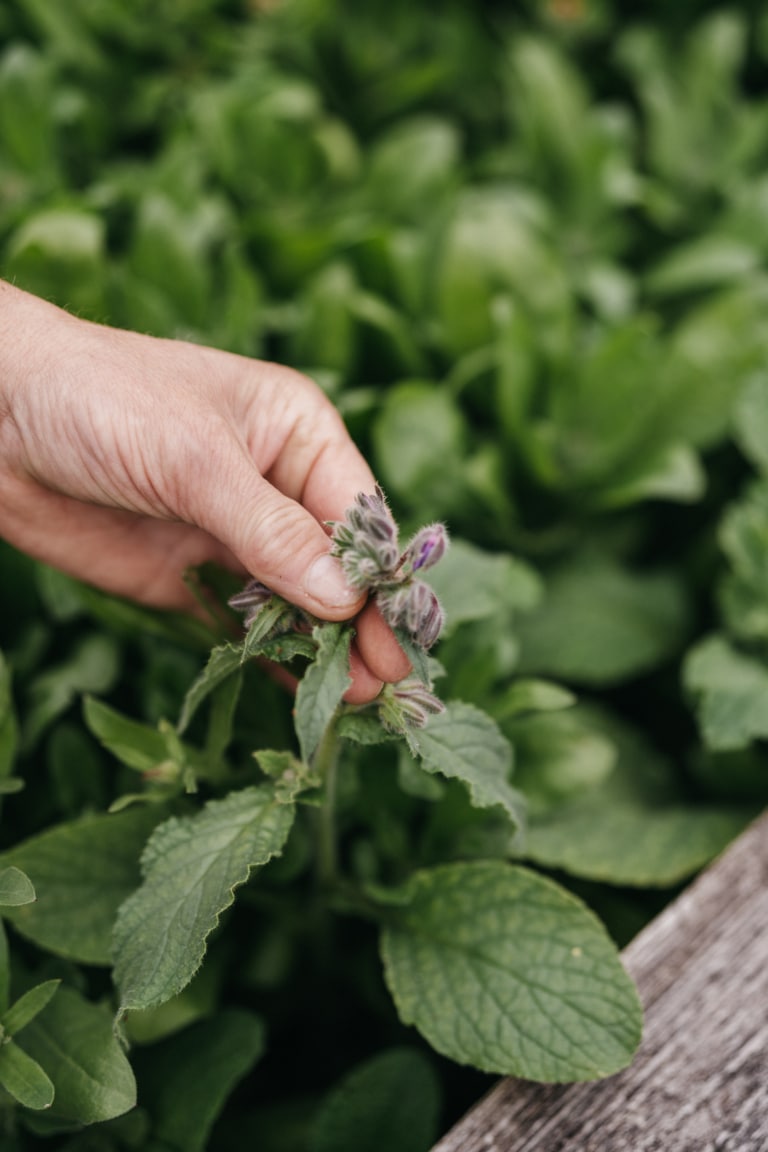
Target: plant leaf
{"points": [[465, 744], [322, 686], [186, 1079], [474, 585], [137, 745], [81, 871], [24, 1079], [617, 842], [600, 624], [390, 1101], [73, 1040], [27, 1006], [731, 692], [502, 969], [526, 696], [223, 661], [16, 888], [191, 867]]}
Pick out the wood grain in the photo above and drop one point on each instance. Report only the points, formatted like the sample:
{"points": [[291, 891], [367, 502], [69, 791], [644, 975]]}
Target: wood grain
{"points": [[700, 1080]]}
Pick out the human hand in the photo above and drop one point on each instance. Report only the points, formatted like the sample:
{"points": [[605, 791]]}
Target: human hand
{"points": [[125, 459]]}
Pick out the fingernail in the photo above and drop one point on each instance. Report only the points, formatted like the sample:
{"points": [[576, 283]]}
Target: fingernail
{"points": [[325, 581]]}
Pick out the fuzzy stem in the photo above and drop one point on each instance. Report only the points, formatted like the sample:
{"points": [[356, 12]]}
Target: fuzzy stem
{"points": [[326, 766]]}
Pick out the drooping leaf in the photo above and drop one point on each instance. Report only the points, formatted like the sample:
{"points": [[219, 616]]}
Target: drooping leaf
{"points": [[502, 969], [186, 1079], [81, 871], [191, 867], [322, 686], [73, 1040], [463, 743], [390, 1101]]}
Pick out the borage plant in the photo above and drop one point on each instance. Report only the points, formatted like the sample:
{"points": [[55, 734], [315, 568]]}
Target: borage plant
{"points": [[496, 965]]}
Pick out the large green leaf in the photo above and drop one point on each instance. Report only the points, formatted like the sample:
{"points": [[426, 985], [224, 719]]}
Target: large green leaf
{"points": [[191, 866], [322, 686], [390, 1101], [82, 872], [502, 969], [73, 1040], [419, 439], [185, 1080], [474, 584], [463, 743], [618, 842], [599, 623]]}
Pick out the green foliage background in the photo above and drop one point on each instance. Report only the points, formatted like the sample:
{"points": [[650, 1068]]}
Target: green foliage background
{"points": [[523, 248]]}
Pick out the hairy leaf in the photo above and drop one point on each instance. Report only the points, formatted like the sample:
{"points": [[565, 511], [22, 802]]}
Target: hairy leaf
{"points": [[322, 686], [191, 866], [503, 969], [465, 744]]}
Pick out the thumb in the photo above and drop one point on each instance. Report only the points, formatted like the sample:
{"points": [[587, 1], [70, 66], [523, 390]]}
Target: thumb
{"points": [[278, 542]]}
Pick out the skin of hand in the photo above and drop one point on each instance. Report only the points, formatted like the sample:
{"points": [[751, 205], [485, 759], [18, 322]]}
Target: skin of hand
{"points": [[124, 459]]}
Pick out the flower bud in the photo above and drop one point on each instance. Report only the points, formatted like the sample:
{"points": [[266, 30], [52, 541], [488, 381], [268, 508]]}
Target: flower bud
{"points": [[366, 542], [414, 607], [426, 548], [253, 595]]}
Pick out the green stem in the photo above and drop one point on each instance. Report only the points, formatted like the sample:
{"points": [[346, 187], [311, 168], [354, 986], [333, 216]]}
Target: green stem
{"points": [[326, 766]]}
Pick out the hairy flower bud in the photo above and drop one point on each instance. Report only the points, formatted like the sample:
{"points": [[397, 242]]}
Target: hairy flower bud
{"points": [[426, 548], [414, 607], [366, 542], [250, 599]]}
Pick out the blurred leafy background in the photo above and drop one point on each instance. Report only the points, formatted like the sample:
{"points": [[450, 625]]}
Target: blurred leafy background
{"points": [[524, 248]]}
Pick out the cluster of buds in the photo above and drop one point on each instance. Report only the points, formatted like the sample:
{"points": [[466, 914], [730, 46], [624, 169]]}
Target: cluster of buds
{"points": [[366, 544]]}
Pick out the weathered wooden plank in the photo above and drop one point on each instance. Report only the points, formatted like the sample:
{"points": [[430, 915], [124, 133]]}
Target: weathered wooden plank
{"points": [[700, 1080]]}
